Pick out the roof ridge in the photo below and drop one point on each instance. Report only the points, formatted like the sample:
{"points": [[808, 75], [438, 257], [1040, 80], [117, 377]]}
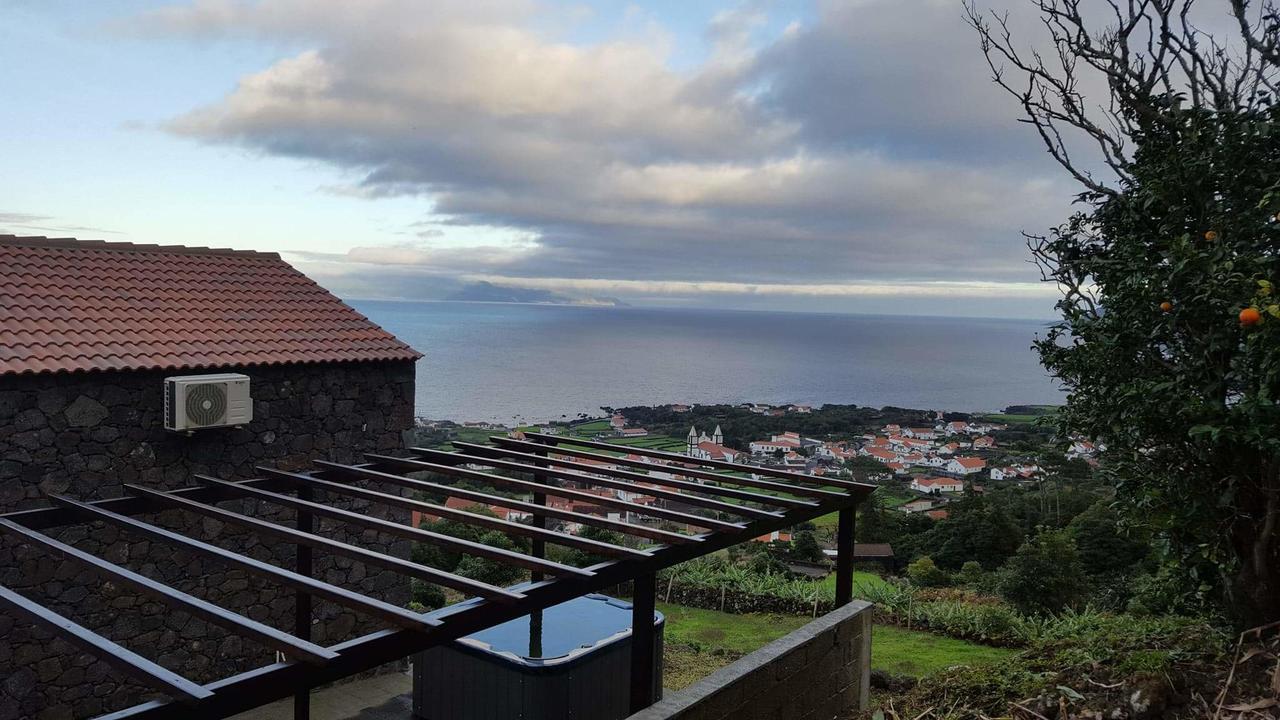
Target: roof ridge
{"points": [[69, 243]]}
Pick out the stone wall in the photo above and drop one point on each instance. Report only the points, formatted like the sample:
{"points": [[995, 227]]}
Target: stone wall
{"points": [[819, 672], [85, 435]]}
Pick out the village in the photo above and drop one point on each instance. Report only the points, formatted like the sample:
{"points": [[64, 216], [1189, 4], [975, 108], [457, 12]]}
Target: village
{"points": [[924, 465]]}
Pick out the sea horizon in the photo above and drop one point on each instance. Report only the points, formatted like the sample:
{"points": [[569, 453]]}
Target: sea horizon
{"points": [[517, 363]]}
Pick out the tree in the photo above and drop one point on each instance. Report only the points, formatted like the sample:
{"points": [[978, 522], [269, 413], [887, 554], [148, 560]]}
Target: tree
{"points": [[971, 573], [1045, 575], [1167, 343], [1104, 547], [805, 547], [471, 566], [925, 573], [974, 529]]}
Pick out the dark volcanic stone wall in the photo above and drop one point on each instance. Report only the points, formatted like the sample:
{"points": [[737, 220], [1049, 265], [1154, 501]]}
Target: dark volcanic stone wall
{"points": [[85, 435]]}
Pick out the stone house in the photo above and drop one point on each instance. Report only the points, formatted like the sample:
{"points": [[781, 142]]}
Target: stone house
{"points": [[89, 331]]}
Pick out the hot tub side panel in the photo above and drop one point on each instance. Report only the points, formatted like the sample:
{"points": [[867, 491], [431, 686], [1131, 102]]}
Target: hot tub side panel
{"points": [[461, 682]]}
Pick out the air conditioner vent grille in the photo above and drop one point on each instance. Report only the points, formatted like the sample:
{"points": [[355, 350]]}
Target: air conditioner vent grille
{"points": [[206, 403]]}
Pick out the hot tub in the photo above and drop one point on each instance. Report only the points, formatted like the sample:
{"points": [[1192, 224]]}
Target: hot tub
{"points": [[578, 666]]}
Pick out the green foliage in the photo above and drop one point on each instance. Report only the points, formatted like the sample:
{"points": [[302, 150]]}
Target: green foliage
{"points": [[470, 566], [1185, 400], [925, 573], [426, 596], [976, 528], [1103, 546], [1045, 575], [805, 547], [582, 558], [971, 573]]}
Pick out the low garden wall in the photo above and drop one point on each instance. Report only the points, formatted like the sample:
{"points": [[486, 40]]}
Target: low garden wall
{"points": [[820, 671]]}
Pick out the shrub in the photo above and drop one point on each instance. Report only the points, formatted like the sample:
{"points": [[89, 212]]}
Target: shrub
{"points": [[1045, 575], [925, 573], [971, 573]]}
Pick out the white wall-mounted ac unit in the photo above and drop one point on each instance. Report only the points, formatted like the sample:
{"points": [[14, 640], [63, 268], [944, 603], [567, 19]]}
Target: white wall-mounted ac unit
{"points": [[194, 402]]}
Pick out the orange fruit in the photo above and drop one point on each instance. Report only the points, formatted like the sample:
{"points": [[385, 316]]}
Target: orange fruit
{"points": [[1211, 235], [1166, 306], [1250, 316]]}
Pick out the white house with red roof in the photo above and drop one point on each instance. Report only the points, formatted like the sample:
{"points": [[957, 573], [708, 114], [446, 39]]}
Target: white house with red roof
{"points": [[937, 484], [921, 433], [984, 442], [1081, 449], [965, 465], [881, 454], [786, 442]]}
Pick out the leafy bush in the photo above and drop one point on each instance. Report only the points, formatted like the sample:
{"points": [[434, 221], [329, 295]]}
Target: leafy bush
{"points": [[925, 573], [1045, 575], [971, 573]]}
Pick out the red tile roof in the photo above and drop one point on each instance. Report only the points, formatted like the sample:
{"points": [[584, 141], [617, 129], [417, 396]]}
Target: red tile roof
{"points": [[73, 305]]}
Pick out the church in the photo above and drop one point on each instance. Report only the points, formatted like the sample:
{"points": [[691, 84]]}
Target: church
{"points": [[709, 447]]}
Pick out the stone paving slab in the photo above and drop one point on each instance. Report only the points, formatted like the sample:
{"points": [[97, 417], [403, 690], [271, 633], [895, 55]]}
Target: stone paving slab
{"points": [[384, 697]]}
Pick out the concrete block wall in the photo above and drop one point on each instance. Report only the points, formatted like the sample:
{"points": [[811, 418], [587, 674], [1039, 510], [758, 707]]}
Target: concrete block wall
{"points": [[821, 671]]}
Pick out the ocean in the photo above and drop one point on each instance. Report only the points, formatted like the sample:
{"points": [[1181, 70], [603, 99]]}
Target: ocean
{"points": [[527, 363]]}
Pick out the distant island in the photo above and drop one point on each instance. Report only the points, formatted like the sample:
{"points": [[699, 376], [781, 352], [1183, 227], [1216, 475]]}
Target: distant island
{"points": [[488, 292]]}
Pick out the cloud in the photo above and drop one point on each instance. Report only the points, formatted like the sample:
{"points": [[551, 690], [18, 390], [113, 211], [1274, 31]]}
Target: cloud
{"points": [[25, 223], [837, 290], [863, 148]]}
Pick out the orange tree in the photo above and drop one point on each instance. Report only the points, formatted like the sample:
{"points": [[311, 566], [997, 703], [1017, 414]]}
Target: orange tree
{"points": [[1169, 337]]}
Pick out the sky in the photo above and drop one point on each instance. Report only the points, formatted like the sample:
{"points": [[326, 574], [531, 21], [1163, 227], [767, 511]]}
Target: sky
{"points": [[820, 155]]}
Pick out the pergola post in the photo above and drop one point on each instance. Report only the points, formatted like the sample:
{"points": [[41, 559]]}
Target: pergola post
{"points": [[302, 601], [538, 548], [844, 556], [642, 641]]}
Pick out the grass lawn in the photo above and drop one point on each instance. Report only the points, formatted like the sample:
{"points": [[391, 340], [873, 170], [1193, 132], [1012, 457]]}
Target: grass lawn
{"points": [[591, 428], [477, 436], [699, 642], [736, 634], [860, 580], [915, 653]]}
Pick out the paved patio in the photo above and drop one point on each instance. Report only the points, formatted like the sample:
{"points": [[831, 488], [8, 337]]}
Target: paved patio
{"points": [[384, 697]]}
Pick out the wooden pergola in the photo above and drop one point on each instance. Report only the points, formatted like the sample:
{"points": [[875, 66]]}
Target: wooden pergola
{"points": [[706, 506]]}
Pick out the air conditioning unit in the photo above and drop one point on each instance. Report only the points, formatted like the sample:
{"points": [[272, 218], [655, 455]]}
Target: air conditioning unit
{"points": [[195, 402]]}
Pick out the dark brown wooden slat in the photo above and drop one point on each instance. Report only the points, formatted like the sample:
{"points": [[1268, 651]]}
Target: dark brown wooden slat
{"points": [[390, 562], [371, 606], [506, 526], [116, 655], [487, 498], [861, 489], [496, 554], [635, 477], [681, 469], [493, 457], [215, 614], [532, 487]]}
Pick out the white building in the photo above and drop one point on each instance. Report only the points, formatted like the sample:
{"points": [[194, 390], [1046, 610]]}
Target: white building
{"points": [[937, 484], [965, 465]]}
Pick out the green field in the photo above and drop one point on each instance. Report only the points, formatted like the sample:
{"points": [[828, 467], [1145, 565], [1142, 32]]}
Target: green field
{"points": [[698, 642], [860, 580], [911, 652], [736, 634], [591, 428]]}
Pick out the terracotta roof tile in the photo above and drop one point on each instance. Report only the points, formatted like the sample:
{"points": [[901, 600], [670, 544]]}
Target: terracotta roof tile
{"points": [[77, 305]]}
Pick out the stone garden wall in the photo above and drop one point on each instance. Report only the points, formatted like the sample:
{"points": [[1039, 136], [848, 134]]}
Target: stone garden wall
{"points": [[818, 672], [85, 435]]}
